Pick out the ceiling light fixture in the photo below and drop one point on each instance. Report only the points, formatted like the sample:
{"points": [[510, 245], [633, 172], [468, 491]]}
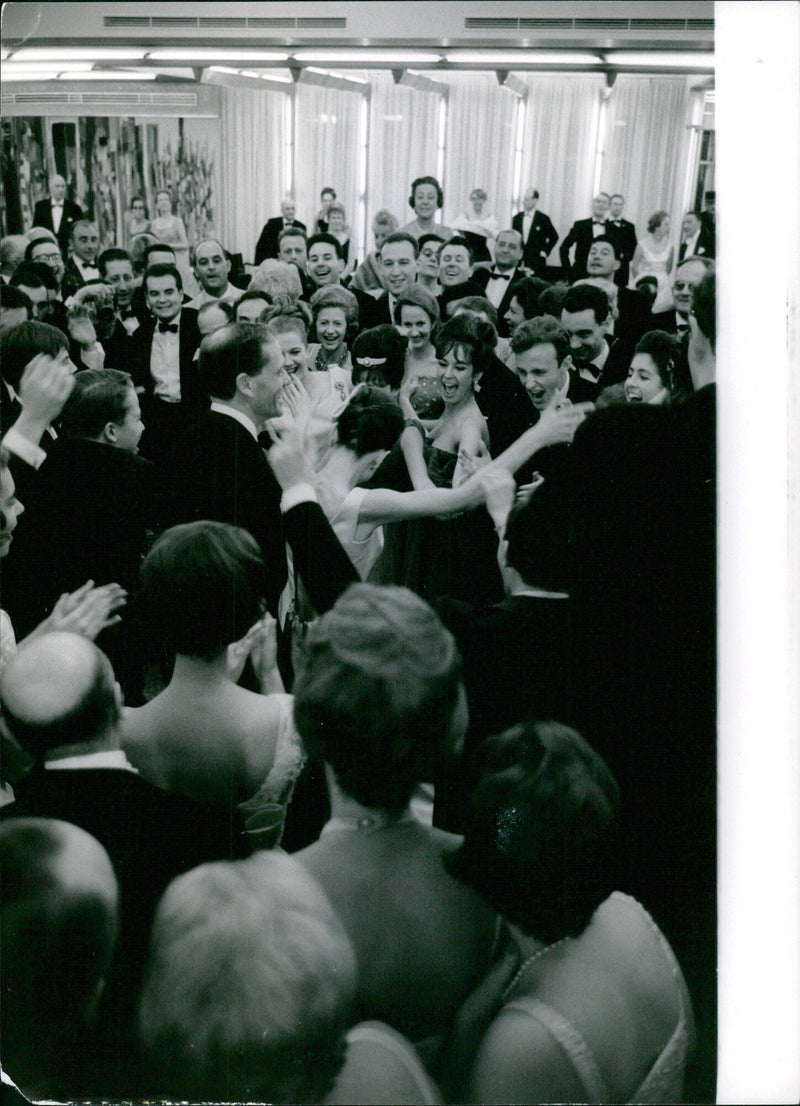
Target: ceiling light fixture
{"points": [[12, 66], [109, 75], [338, 76], [368, 57], [653, 59], [78, 53], [205, 54], [522, 59], [7, 77]]}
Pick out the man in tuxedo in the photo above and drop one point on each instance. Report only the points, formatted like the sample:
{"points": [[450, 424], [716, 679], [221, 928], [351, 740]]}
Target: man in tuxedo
{"points": [[15, 307], [218, 470], [29, 282], [695, 238], [267, 245], [212, 268], [397, 265], [581, 235], [687, 277], [324, 267], [496, 282], [56, 213], [633, 314], [81, 264], [623, 232], [708, 217], [116, 270], [584, 315], [60, 702], [538, 233], [163, 364], [456, 273]]}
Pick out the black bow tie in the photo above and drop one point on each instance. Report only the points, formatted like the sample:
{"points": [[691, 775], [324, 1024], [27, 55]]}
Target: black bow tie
{"points": [[172, 328], [494, 275]]}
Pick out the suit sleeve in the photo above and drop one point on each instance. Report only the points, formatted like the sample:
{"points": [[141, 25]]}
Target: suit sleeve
{"points": [[550, 235], [321, 563], [262, 246], [564, 249]]}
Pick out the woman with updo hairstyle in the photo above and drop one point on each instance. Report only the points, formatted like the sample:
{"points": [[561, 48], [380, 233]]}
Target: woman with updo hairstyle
{"points": [[379, 697], [379, 358], [655, 255], [425, 200], [203, 594], [594, 1008], [335, 313], [337, 226], [277, 278]]}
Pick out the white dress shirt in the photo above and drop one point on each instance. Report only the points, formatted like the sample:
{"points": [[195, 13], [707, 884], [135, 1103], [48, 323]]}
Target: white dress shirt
{"points": [[691, 245], [87, 271], [165, 363], [497, 288], [230, 295], [57, 214], [527, 223]]}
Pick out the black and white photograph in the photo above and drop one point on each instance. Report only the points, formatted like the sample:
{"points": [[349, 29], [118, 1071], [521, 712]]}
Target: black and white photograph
{"points": [[399, 613]]}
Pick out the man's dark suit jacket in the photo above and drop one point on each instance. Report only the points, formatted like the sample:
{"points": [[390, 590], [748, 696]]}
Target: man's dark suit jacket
{"points": [[218, 471], [624, 236], [372, 311], [151, 836], [543, 236], [517, 658], [482, 276], [634, 316], [43, 217], [72, 280], [581, 237], [267, 245], [504, 404], [705, 243]]}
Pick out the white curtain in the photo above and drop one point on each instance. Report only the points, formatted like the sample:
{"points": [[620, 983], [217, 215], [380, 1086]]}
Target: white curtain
{"points": [[559, 144], [403, 129], [481, 117], [646, 145], [252, 165], [327, 152]]}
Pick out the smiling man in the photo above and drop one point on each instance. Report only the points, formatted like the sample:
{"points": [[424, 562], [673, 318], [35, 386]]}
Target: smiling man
{"points": [[81, 265], [633, 315], [397, 266]]}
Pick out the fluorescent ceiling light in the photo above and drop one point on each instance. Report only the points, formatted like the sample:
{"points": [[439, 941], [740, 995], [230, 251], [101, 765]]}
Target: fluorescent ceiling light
{"points": [[3, 53], [33, 75], [109, 75], [203, 53], [365, 56], [12, 66], [658, 60], [522, 58], [339, 76], [258, 74], [78, 53]]}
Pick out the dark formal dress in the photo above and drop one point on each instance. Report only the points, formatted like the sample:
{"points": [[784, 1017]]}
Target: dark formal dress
{"points": [[581, 235], [43, 217], [623, 233], [540, 241], [267, 245], [164, 421]]}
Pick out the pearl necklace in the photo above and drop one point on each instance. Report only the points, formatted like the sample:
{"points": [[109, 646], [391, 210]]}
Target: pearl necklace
{"points": [[531, 959], [321, 365]]}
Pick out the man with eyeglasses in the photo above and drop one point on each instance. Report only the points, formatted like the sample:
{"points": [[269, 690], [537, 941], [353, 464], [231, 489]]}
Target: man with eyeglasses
{"points": [[687, 277], [47, 252]]}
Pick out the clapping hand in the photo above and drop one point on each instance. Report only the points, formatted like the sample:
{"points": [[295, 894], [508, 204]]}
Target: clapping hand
{"points": [[86, 611], [45, 387], [260, 643], [288, 457]]}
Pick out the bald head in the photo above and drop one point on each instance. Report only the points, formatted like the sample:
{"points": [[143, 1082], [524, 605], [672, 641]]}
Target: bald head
{"points": [[59, 692], [58, 911]]}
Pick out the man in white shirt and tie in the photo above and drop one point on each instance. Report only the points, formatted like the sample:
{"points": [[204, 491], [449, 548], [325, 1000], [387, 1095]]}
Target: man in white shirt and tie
{"points": [[56, 212], [694, 240], [212, 268], [687, 277], [507, 269], [81, 265], [538, 233]]}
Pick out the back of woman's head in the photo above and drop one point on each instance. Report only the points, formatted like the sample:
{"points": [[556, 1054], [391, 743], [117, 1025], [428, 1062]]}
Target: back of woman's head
{"points": [[471, 333], [527, 292], [380, 353], [203, 587], [541, 834], [377, 692], [370, 421], [663, 349]]}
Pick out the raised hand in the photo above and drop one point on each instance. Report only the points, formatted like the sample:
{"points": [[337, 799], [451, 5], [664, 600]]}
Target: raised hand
{"points": [[86, 611], [558, 424], [45, 386], [499, 489]]}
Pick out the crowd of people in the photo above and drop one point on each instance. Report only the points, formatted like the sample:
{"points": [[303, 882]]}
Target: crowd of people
{"points": [[357, 668]]}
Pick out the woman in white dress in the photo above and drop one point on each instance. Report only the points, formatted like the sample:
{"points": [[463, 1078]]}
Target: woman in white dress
{"points": [[655, 255]]}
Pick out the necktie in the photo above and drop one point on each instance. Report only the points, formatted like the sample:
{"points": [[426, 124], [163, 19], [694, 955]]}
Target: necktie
{"points": [[495, 275], [172, 328], [683, 329]]}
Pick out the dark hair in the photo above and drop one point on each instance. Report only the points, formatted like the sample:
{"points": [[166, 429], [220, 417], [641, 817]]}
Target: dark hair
{"points": [[141, 200], [20, 344], [399, 236], [376, 691], [380, 351], [663, 349], [425, 238], [542, 331], [252, 294], [155, 247], [97, 398], [610, 241], [475, 304], [541, 836], [704, 307], [551, 299], [331, 191], [587, 297], [12, 299], [417, 296], [370, 421], [527, 292], [162, 270], [43, 271], [426, 180], [24, 274], [112, 254], [87, 719], [656, 219], [476, 335], [329, 240], [616, 196], [459, 240], [203, 586], [227, 352], [37, 242]]}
